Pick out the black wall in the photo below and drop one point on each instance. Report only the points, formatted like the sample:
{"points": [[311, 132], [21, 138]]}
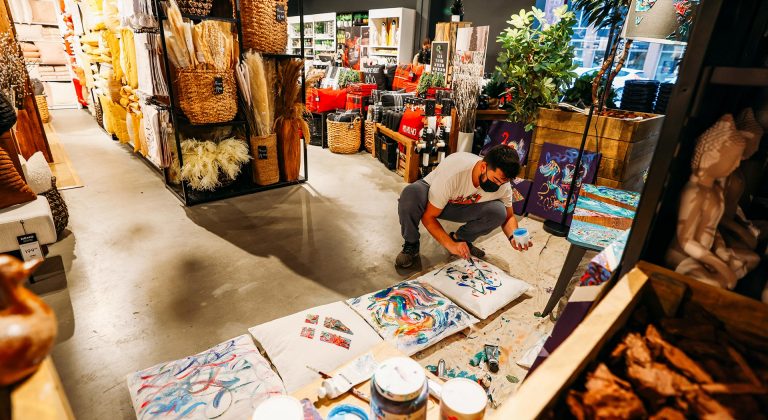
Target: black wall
{"points": [[494, 13]]}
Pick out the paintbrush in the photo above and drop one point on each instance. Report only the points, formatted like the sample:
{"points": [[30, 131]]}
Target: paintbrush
{"points": [[353, 390], [471, 261]]}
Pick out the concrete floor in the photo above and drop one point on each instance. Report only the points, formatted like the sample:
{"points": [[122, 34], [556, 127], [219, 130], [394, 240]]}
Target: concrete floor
{"points": [[150, 280]]}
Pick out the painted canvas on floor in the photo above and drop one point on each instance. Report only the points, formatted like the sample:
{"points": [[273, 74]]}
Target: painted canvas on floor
{"points": [[553, 179], [521, 189], [226, 381], [411, 315], [477, 286], [509, 134], [338, 335], [602, 215]]}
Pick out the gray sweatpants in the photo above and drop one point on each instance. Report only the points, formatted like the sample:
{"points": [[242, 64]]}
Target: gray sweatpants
{"points": [[480, 218]]}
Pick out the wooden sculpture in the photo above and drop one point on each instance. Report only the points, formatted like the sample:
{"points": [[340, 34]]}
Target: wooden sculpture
{"points": [[27, 324]]}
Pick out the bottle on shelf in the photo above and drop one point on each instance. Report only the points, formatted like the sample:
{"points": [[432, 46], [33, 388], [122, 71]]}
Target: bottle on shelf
{"points": [[392, 34], [383, 33]]}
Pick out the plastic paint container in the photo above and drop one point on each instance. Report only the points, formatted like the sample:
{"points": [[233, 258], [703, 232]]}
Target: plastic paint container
{"points": [[399, 390], [521, 236], [462, 399], [284, 407], [347, 412]]}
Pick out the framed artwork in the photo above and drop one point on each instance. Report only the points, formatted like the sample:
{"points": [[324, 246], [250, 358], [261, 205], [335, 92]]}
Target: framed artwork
{"points": [[411, 315], [521, 189], [509, 134], [226, 381], [553, 179]]}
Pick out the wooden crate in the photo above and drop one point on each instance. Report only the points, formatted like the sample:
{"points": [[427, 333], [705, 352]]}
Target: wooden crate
{"points": [[627, 146], [663, 292]]}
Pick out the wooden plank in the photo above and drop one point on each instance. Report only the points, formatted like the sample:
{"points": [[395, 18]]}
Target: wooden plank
{"points": [[604, 127], [610, 148], [492, 114], [41, 396], [542, 388]]}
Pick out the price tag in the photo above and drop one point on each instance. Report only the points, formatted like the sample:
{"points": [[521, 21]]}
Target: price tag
{"points": [[218, 86], [262, 151], [29, 247], [280, 12]]}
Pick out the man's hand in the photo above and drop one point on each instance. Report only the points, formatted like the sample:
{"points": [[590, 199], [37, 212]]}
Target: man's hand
{"points": [[459, 249], [519, 247]]}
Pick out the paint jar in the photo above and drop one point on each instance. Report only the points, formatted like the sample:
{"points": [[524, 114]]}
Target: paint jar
{"points": [[399, 390], [284, 407], [521, 236], [462, 399]]}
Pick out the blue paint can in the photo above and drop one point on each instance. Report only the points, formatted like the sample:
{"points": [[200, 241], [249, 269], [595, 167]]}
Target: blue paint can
{"points": [[399, 390]]}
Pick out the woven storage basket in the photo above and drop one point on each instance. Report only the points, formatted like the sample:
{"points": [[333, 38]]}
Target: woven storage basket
{"points": [[99, 113], [370, 132], [195, 7], [344, 137], [42, 106], [207, 96], [266, 169], [58, 207], [262, 31]]}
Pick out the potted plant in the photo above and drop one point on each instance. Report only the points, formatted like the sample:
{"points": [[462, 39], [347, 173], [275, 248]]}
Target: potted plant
{"points": [[580, 93], [495, 88], [457, 11]]}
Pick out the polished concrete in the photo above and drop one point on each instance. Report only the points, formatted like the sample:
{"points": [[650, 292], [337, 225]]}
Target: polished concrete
{"points": [[150, 280]]}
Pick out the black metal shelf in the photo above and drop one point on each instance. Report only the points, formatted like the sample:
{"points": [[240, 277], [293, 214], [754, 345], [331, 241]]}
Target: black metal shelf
{"points": [[182, 119], [163, 16]]}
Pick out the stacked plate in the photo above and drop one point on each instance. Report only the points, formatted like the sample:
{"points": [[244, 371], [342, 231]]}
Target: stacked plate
{"points": [[639, 95], [662, 100]]}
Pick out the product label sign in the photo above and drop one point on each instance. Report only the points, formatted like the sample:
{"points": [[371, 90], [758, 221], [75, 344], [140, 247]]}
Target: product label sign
{"points": [[262, 151], [439, 60], [218, 86], [29, 247], [280, 13]]}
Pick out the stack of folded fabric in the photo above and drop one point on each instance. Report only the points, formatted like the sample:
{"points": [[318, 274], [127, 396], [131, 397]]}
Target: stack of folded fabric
{"points": [[30, 51], [54, 73], [639, 95]]}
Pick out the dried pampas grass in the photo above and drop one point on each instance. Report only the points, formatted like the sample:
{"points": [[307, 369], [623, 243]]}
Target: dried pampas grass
{"points": [[232, 154], [206, 161], [255, 82]]}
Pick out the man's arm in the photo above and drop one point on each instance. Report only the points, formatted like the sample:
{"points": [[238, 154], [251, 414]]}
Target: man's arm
{"points": [[429, 220], [509, 227]]}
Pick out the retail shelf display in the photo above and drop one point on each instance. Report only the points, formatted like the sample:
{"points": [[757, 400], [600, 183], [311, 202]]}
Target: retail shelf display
{"points": [[391, 34]]}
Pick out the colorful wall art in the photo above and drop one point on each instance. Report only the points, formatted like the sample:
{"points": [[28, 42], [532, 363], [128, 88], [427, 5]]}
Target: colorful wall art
{"points": [[411, 315], [509, 134], [477, 286], [338, 335], [602, 215], [521, 189], [553, 179], [603, 265], [226, 381]]}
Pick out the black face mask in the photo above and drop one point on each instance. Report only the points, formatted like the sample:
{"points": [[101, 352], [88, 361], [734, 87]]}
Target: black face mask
{"points": [[488, 185]]}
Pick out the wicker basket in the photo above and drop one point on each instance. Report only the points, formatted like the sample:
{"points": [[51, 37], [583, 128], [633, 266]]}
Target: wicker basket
{"points": [[195, 7], [42, 106], [262, 29], [344, 137], [266, 169], [58, 207], [98, 112], [370, 132], [207, 96]]}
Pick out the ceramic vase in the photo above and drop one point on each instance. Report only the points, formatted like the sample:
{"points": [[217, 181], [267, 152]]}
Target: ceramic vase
{"points": [[465, 142], [27, 324]]}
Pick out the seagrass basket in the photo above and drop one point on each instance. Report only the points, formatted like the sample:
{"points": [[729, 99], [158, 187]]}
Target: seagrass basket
{"points": [[42, 106], [370, 132], [265, 25], [344, 137], [266, 169], [207, 96]]}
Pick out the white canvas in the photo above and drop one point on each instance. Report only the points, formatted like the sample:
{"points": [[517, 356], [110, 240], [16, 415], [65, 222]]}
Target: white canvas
{"points": [[479, 287], [226, 381], [313, 338], [411, 315]]}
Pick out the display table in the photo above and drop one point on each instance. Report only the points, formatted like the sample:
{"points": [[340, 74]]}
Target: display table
{"points": [[601, 215], [41, 396], [381, 352]]}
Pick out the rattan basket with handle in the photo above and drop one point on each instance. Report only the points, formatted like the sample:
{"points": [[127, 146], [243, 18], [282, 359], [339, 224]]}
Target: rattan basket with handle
{"points": [[370, 132], [207, 96], [344, 137], [266, 169], [265, 25]]}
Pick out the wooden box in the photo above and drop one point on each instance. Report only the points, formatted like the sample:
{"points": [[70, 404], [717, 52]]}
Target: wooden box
{"points": [[627, 146], [664, 292]]}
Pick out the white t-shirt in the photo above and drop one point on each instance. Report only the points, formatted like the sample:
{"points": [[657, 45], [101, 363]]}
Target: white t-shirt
{"points": [[451, 182]]}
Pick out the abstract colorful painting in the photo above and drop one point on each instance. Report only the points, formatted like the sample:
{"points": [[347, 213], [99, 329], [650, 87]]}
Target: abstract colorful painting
{"points": [[307, 332], [477, 286], [335, 339], [521, 189], [644, 5], [312, 319], [226, 381], [340, 336], [603, 265], [602, 215], [554, 177], [411, 315], [509, 134]]}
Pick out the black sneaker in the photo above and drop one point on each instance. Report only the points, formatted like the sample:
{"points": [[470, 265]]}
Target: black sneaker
{"points": [[408, 255], [475, 251]]}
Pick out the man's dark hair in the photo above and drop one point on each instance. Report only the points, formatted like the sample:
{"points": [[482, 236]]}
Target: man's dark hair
{"points": [[504, 158]]}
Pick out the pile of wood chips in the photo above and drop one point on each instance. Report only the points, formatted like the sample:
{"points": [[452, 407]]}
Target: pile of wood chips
{"points": [[692, 368]]}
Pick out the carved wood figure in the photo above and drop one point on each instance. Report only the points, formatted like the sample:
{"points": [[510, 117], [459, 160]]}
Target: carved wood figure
{"points": [[27, 324], [698, 250]]}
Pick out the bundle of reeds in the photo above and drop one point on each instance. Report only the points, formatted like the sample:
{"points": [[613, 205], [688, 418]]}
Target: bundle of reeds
{"points": [[289, 117], [208, 45], [256, 80]]}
